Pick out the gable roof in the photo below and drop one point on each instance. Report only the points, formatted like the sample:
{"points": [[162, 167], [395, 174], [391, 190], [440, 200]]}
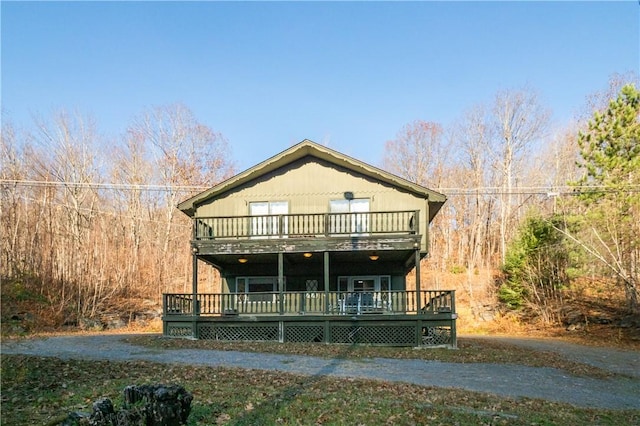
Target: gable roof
{"points": [[310, 148]]}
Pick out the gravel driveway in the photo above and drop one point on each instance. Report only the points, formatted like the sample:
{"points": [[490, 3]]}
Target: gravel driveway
{"points": [[505, 380]]}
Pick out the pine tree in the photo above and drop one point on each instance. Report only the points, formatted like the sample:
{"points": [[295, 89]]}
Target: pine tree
{"points": [[610, 189]]}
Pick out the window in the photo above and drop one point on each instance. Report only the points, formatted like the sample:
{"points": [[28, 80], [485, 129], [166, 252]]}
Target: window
{"points": [[267, 222], [261, 287], [312, 289], [385, 284], [364, 284], [351, 216]]}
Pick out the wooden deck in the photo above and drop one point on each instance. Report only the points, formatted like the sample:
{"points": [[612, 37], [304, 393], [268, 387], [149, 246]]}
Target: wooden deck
{"points": [[306, 225], [388, 318]]}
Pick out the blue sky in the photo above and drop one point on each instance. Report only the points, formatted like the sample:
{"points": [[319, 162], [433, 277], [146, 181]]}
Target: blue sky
{"points": [[270, 74]]}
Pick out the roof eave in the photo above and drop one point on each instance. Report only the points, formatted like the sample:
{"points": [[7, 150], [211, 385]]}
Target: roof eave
{"points": [[300, 150]]}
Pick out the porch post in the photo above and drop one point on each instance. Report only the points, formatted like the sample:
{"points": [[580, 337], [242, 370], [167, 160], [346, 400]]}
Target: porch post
{"points": [[418, 289], [194, 282], [281, 281], [194, 294], [326, 282]]}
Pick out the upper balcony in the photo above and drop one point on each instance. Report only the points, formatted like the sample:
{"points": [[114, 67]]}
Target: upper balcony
{"points": [[331, 231], [307, 225]]}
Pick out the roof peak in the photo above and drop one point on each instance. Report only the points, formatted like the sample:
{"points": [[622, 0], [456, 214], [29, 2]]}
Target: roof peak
{"points": [[302, 149]]}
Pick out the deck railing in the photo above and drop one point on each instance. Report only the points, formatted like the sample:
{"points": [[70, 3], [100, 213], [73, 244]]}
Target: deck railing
{"points": [[306, 225], [311, 303]]}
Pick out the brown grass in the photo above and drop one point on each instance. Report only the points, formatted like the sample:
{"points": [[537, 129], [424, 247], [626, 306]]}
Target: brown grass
{"points": [[38, 391]]}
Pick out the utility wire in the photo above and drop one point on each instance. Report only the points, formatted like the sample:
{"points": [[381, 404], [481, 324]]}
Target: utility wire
{"points": [[550, 190], [96, 185]]}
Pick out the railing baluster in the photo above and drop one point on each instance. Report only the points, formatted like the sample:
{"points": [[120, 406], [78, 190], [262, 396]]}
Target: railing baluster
{"points": [[305, 224], [395, 302]]}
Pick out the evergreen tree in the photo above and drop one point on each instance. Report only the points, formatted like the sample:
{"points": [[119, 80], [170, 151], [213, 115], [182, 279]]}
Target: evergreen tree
{"points": [[610, 189], [535, 268]]}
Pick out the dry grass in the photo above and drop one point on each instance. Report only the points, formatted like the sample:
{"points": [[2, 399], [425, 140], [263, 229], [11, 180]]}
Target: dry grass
{"points": [[41, 391], [591, 300]]}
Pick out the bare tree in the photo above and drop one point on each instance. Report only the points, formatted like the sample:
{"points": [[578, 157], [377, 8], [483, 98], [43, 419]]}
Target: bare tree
{"points": [[133, 170], [417, 153], [184, 152], [519, 120], [67, 154], [12, 211], [26, 220], [90, 247], [599, 99], [474, 134]]}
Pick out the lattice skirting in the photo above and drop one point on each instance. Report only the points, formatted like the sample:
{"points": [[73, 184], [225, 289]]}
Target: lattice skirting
{"points": [[404, 335], [251, 333], [396, 333], [304, 333], [179, 330]]}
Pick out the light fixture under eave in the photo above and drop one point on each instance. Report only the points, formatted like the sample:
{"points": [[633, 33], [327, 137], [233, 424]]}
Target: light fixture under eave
{"points": [[307, 254], [374, 256], [243, 260]]}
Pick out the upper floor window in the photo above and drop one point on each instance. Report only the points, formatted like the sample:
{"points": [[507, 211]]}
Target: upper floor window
{"points": [[266, 222], [351, 216]]}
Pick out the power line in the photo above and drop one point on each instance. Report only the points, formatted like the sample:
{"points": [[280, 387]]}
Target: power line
{"points": [[549, 190], [97, 211], [97, 185]]}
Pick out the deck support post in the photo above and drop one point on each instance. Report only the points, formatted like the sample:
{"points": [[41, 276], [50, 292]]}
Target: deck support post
{"points": [[326, 282], [194, 281], [418, 295], [281, 282], [194, 294]]}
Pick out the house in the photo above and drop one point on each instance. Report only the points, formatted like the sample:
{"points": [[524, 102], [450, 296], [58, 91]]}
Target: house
{"points": [[313, 246]]}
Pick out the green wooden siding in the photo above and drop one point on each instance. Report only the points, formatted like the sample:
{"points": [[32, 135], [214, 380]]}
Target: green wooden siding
{"points": [[308, 185]]}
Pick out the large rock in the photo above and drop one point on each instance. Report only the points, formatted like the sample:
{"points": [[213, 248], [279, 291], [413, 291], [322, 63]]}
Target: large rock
{"points": [[103, 412], [163, 405], [147, 405]]}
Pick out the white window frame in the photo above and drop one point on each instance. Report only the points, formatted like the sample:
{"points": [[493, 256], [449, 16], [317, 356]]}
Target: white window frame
{"points": [[353, 224], [268, 227], [352, 281], [242, 288]]}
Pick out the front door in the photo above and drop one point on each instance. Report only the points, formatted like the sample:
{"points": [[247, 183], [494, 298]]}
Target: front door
{"points": [[363, 294], [366, 293]]}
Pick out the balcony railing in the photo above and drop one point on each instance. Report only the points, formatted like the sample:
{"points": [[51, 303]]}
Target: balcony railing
{"points": [[306, 225], [312, 303]]}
